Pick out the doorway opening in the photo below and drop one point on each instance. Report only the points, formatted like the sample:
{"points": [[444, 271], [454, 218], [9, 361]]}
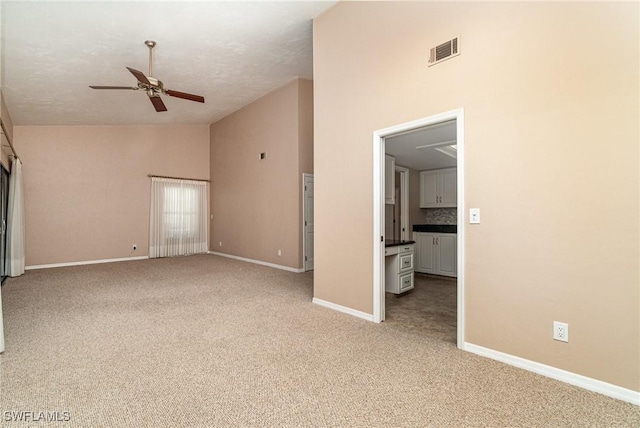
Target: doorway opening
{"points": [[455, 149]]}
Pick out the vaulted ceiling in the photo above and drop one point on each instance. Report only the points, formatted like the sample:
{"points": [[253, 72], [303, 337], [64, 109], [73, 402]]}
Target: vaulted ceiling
{"points": [[230, 52]]}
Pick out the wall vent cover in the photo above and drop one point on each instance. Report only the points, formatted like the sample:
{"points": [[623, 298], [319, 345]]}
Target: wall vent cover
{"points": [[444, 51]]}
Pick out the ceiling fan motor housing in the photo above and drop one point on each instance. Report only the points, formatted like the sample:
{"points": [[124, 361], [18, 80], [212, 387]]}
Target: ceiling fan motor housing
{"points": [[155, 85]]}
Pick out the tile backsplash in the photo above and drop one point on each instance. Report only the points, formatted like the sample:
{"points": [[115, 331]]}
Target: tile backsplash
{"points": [[440, 215]]}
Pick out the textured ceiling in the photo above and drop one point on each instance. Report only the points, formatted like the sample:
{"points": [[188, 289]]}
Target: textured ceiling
{"points": [[231, 52]]}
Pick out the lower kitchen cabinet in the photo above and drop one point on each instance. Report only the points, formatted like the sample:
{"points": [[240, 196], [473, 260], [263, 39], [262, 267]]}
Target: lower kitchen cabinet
{"points": [[436, 253], [399, 267]]}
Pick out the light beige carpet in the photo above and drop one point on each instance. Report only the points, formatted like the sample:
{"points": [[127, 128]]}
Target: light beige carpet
{"points": [[206, 341]]}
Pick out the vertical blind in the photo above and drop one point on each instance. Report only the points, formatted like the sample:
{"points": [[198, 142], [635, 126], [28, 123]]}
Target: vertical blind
{"points": [[178, 221]]}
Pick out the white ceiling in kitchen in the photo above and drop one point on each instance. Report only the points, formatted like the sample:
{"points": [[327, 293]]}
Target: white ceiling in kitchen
{"points": [[407, 150]]}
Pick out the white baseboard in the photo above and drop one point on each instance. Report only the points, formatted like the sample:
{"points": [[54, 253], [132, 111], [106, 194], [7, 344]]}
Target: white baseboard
{"points": [[340, 308], [85, 262], [257, 262], [587, 383]]}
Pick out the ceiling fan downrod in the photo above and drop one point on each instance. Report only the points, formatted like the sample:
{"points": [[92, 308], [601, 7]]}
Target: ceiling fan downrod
{"points": [[150, 44]]}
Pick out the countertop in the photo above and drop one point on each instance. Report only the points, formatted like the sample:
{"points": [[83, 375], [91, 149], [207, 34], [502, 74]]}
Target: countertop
{"points": [[396, 242], [436, 228]]}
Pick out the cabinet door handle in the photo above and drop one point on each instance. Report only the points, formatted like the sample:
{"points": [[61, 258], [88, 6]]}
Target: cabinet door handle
{"points": [[436, 241]]}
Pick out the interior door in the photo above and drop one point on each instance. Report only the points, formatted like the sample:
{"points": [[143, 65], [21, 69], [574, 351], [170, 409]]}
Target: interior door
{"points": [[308, 221]]}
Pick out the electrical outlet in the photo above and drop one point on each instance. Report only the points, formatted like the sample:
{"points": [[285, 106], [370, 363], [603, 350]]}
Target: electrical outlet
{"points": [[221, 243], [561, 331], [135, 247], [279, 253]]}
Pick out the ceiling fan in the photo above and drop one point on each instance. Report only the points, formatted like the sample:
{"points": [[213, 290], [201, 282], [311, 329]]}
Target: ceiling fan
{"points": [[152, 86]]}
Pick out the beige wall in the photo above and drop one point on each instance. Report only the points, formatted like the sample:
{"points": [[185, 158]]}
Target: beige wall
{"points": [[305, 126], [5, 151], [1, 45], [305, 149], [4, 112], [550, 95], [256, 204], [87, 192]]}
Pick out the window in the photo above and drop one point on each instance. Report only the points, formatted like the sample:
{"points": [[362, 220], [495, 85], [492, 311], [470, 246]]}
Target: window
{"points": [[178, 221]]}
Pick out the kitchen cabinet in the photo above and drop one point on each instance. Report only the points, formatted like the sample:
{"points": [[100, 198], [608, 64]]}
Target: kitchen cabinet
{"points": [[439, 188], [436, 253], [399, 268], [389, 180]]}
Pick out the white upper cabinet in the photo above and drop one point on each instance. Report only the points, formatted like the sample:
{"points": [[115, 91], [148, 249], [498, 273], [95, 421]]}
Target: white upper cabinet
{"points": [[439, 188], [428, 189], [389, 180]]}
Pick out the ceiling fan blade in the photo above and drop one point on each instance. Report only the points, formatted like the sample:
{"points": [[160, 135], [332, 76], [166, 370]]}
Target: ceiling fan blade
{"points": [[185, 96], [112, 87], [157, 103], [139, 75]]}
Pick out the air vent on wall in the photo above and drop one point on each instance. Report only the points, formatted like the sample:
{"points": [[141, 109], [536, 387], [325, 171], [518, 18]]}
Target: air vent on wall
{"points": [[444, 51]]}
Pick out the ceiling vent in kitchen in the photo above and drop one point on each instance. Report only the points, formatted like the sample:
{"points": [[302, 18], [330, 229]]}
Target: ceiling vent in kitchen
{"points": [[444, 51]]}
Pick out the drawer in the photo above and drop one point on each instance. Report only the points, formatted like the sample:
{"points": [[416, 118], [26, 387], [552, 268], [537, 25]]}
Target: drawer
{"points": [[405, 262], [390, 251], [408, 248], [406, 282]]}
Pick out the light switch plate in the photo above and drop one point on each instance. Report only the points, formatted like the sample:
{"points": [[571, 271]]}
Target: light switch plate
{"points": [[474, 215]]}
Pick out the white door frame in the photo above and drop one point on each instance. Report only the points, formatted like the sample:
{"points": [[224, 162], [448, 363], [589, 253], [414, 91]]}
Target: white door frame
{"points": [[305, 176], [378, 209]]}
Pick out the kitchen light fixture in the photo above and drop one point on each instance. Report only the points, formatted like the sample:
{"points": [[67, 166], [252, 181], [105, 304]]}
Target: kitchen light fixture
{"points": [[449, 150], [439, 144]]}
